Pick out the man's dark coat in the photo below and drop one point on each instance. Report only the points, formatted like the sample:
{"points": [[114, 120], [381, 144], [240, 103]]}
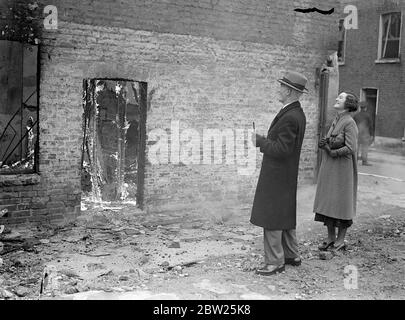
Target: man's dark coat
{"points": [[274, 206]]}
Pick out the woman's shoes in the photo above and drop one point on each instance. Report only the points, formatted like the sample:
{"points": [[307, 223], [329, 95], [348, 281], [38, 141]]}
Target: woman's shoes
{"points": [[341, 247], [325, 246]]}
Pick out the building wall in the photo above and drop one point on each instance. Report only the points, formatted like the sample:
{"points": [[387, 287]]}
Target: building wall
{"points": [[210, 65], [361, 71]]}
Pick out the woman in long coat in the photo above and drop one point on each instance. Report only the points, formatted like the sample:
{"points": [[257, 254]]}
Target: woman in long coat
{"points": [[336, 193]]}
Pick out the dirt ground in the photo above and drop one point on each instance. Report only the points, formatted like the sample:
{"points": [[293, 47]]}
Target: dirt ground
{"points": [[115, 251]]}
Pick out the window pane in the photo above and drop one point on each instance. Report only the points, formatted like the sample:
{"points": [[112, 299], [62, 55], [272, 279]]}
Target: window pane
{"points": [[391, 33], [386, 25], [392, 25], [392, 49], [395, 29]]}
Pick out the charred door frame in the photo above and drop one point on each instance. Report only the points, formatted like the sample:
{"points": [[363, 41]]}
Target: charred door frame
{"points": [[143, 86], [322, 106], [363, 97]]}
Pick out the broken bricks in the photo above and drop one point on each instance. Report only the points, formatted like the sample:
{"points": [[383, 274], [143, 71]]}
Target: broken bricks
{"points": [[325, 255], [55, 282], [12, 236], [50, 282], [165, 264], [21, 291], [5, 294], [71, 290], [141, 274], [3, 212], [94, 266], [133, 232], [174, 244], [178, 268], [123, 278]]}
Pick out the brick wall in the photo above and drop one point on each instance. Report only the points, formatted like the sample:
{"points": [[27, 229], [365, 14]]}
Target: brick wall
{"points": [[211, 64], [361, 71]]}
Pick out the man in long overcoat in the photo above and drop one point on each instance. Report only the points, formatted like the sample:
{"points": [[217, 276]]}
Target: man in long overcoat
{"points": [[274, 206]]}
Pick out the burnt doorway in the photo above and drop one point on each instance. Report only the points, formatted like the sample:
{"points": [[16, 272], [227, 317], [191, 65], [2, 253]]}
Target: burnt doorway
{"points": [[114, 139], [323, 115], [370, 96]]}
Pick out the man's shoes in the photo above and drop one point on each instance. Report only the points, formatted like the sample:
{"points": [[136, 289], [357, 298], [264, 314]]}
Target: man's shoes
{"points": [[293, 261], [366, 164], [325, 245], [269, 270], [341, 247]]}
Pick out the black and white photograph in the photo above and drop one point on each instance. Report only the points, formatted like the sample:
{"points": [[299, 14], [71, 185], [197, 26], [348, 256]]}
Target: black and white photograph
{"points": [[219, 152]]}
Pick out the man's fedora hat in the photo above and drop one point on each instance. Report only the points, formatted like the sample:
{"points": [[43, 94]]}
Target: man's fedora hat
{"points": [[295, 80]]}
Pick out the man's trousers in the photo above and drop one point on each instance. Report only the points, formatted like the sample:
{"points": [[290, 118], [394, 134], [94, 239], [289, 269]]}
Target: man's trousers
{"points": [[278, 245], [363, 148]]}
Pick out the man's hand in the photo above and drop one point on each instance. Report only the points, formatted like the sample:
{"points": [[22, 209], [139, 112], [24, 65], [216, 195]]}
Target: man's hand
{"points": [[253, 138]]}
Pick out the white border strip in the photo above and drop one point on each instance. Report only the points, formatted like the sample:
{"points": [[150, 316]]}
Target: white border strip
{"points": [[378, 176]]}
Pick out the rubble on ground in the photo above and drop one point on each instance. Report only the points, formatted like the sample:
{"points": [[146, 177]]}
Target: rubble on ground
{"points": [[118, 249]]}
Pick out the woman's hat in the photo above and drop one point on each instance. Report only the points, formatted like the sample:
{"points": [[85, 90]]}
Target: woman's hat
{"points": [[295, 80]]}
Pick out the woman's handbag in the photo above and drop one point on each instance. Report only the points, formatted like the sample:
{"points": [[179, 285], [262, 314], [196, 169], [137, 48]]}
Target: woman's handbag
{"points": [[337, 141]]}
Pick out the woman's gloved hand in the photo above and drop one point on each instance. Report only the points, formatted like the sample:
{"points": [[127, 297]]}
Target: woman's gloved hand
{"points": [[329, 151], [322, 143]]}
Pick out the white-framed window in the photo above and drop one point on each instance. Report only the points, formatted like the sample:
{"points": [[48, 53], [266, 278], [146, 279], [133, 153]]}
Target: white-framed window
{"points": [[389, 43], [341, 52]]}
